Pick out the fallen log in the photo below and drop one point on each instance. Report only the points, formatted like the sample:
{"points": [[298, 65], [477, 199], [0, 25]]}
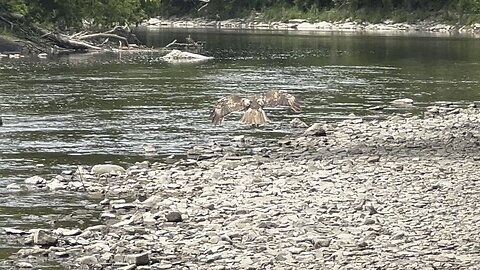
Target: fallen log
{"points": [[41, 40]]}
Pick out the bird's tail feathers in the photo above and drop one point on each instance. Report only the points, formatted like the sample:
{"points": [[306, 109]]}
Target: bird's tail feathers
{"points": [[254, 117]]}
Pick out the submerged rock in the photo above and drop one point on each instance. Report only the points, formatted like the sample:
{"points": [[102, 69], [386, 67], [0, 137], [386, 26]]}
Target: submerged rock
{"points": [[177, 56]]}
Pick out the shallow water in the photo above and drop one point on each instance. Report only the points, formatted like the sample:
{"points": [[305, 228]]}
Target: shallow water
{"points": [[67, 111]]}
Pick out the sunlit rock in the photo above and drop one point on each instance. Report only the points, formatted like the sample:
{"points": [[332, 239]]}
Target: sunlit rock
{"points": [[107, 168], [35, 180], [315, 130], [44, 237], [67, 232], [402, 102], [177, 56], [297, 123], [55, 184]]}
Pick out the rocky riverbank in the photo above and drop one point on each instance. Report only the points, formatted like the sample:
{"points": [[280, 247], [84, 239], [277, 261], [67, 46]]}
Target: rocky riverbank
{"points": [[400, 193], [322, 26]]}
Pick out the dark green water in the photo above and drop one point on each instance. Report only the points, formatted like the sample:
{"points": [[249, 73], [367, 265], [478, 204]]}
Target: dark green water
{"points": [[87, 109]]}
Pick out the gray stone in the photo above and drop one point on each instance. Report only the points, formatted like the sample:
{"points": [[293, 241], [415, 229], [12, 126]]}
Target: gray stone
{"points": [[138, 259], [127, 267], [35, 180], [55, 184], [315, 130], [24, 265], [373, 159], [297, 123], [14, 231], [89, 260], [14, 186], [402, 102], [152, 201], [67, 232], [174, 217], [107, 169], [44, 237], [322, 243], [124, 206]]}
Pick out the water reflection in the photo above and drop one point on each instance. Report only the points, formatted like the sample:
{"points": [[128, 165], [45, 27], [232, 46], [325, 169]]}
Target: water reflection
{"points": [[93, 108]]}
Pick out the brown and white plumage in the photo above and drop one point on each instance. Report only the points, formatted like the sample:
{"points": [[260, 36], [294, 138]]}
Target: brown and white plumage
{"points": [[253, 106]]}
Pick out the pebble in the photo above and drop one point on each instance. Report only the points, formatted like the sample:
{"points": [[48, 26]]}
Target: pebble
{"points": [[174, 217], [138, 259]]}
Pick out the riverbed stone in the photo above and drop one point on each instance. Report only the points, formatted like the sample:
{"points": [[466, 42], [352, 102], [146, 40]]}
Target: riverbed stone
{"points": [[138, 259], [44, 237], [67, 232], [89, 260], [315, 130], [35, 180], [55, 184], [107, 169], [14, 186], [24, 265], [174, 217]]}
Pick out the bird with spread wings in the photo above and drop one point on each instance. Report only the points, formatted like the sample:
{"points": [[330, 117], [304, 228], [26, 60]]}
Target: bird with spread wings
{"points": [[253, 106]]}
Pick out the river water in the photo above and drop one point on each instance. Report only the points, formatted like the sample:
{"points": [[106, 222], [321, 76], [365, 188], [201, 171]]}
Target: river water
{"points": [[66, 111]]}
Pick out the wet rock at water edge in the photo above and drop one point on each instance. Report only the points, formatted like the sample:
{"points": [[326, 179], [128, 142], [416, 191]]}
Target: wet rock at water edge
{"points": [[174, 217], [107, 169], [402, 102], [35, 180], [89, 260], [24, 265], [297, 123], [44, 237], [15, 187], [315, 130], [55, 184], [14, 231]]}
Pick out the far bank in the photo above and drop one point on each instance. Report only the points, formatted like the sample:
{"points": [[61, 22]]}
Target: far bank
{"points": [[387, 27]]}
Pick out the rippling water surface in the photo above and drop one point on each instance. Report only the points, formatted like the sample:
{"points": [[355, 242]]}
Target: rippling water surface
{"points": [[66, 111]]}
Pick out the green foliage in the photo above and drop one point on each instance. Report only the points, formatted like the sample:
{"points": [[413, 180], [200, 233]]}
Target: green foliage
{"points": [[14, 6], [105, 13], [75, 13]]}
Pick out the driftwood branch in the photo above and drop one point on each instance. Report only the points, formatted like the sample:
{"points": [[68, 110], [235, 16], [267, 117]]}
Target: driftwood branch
{"points": [[171, 43], [43, 40], [104, 35]]}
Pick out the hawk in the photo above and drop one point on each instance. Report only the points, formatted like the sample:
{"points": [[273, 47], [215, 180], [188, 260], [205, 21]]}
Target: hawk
{"points": [[253, 106]]}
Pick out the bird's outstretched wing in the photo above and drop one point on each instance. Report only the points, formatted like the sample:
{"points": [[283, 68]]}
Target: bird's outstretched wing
{"points": [[282, 98], [225, 106]]}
